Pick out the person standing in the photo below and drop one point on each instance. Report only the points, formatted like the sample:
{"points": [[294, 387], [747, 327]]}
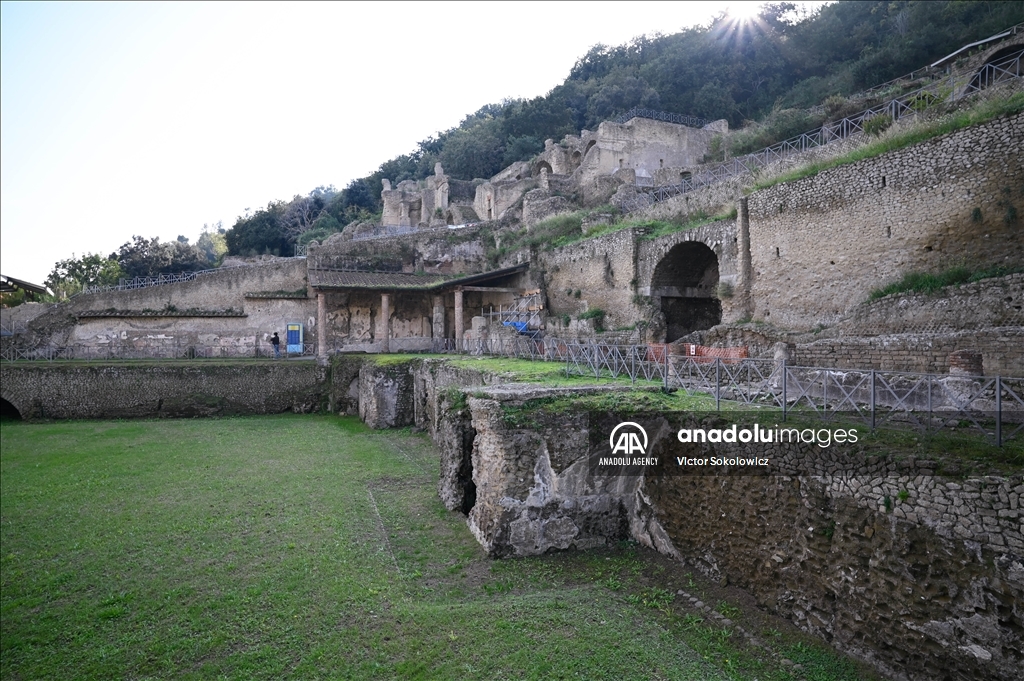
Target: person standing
{"points": [[276, 342]]}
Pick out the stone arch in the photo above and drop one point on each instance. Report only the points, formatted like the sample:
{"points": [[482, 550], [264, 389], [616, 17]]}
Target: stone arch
{"points": [[8, 410], [1004, 67], [685, 280], [541, 165], [449, 218], [575, 159], [590, 145]]}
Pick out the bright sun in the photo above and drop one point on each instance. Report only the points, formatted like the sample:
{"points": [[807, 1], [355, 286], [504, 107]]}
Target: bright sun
{"points": [[744, 11]]}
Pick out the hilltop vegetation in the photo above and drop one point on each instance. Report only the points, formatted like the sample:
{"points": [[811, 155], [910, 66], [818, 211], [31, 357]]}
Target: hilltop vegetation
{"points": [[742, 72]]}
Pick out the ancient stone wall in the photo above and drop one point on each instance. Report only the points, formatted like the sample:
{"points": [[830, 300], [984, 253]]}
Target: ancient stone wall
{"points": [[186, 389], [926, 353], [188, 313], [819, 245], [994, 302], [918, 574], [644, 145], [603, 270]]}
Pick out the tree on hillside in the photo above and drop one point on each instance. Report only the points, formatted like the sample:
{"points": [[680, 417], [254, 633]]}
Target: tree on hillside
{"points": [[143, 257], [212, 243], [261, 233], [75, 273]]}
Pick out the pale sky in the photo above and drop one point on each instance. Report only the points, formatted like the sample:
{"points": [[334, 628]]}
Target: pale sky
{"points": [[153, 119]]}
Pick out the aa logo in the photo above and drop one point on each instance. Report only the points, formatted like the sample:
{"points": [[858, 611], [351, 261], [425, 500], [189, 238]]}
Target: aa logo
{"points": [[628, 438]]}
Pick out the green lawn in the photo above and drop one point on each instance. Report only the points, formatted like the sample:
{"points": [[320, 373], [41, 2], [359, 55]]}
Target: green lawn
{"points": [[311, 547]]}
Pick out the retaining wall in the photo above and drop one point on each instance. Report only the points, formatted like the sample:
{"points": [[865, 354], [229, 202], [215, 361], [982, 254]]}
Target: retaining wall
{"points": [[97, 390]]}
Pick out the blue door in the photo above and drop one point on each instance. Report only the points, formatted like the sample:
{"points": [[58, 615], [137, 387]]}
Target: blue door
{"points": [[295, 339]]}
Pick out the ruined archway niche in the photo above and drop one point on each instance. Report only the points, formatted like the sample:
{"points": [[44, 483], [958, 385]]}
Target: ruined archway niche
{"points": [[685, 280], [9, 411], [1006, 68]]}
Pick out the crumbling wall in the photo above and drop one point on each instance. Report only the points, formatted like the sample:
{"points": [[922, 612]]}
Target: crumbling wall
{"points": [[603, 270]]}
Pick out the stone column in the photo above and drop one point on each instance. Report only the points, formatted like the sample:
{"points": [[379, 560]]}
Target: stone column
{"points": [[460, 322], [746, 269], [385, 314], [437, 327], [321, 326]]}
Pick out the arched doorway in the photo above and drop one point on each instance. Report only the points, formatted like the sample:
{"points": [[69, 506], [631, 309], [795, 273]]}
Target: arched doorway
{"points": [[685, 280], [540, 167], [1003, 65], [8, 411]]}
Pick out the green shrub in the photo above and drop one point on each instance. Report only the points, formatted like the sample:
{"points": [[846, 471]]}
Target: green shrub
{"points": [[597, 314], [924, 282], [876, 125]]}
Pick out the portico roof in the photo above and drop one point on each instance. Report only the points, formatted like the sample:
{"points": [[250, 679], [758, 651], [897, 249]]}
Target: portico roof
{"points": [[402, 281]]}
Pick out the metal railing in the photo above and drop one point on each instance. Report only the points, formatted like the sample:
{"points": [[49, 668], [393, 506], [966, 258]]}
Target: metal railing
{"points": [[146, 282], [949, 88], [666, 116], [993, 406]]}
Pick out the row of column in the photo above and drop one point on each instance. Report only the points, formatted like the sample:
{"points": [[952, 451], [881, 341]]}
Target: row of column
{"points": [[385, 311]]}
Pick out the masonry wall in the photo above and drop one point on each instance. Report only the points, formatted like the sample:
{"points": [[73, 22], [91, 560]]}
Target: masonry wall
{"points": [[926, 353], [158, 316], [140, 390], [819, 245], [918, 574], [993, 302], [602, 269]]}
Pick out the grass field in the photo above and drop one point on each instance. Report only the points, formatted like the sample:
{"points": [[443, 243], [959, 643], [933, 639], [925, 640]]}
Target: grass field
{"points": [[311, 547]]}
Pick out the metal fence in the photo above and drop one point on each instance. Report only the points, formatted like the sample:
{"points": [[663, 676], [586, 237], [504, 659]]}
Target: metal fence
{"points": [[680, 119], [950, 88], [146, 282], [993, 406]]}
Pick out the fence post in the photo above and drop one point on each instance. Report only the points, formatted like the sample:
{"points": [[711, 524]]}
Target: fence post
{"points": [[929, 401], [999, 412], [824, 394], [785, 404], [718, 384], [665, 380], [872, 400]]}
